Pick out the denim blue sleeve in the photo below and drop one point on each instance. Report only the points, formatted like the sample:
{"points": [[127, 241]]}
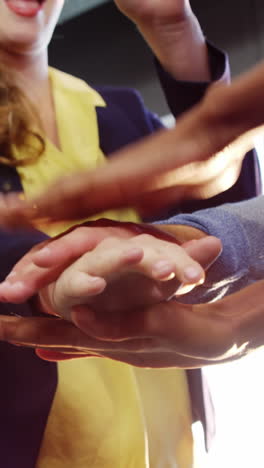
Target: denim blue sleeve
{"points": [[240, 226]]}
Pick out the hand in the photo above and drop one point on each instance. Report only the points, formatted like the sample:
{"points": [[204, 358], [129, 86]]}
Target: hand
{"points": [[45, 262], [222, 118], [124, 274], [53, 256], [164, 335]]}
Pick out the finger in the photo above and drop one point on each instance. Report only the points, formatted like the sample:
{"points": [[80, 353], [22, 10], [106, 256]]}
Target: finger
{"points": [[56, 356], [154, 360], [81, 285], [27, 259], [205, 250], [199, 331], [164, 261], [155, 201], [43, 332], [110, 256], [220, 330], [66, 248], [89, 275], [13, 288], [55, 334], [22, 285], [27, 277]]}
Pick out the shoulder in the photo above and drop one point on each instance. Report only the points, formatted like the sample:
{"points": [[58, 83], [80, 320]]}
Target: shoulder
{"points": [[122, 97]]}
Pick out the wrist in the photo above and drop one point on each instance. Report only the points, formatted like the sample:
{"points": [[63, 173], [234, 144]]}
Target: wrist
{"points": [[130, 229], [179, 46], [182, 233]]}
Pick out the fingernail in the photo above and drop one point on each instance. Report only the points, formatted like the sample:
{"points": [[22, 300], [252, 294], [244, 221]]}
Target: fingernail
{"points": [[95, 279], [169, 277], [202, 280], [192, 274]]}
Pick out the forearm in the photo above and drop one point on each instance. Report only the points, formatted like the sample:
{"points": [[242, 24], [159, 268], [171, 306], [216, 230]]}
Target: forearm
{"points": [[180, 47], [240, 228]]}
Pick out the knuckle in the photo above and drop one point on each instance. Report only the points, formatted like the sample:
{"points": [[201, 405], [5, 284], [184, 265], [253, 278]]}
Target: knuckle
{"points": [[76, 235], [110, 242], [144, 238]]}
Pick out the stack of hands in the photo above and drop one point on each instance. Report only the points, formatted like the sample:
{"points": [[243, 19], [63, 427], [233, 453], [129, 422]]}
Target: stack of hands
{"points": [[199, 158], [89, 278], [113, 293], [113, 281]]}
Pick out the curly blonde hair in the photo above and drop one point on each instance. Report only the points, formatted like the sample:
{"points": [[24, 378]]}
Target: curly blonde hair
{"points": [[17, 117]]}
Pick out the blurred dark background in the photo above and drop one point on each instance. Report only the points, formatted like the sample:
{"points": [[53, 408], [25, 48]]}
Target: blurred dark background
{"points": [[94, 41]]}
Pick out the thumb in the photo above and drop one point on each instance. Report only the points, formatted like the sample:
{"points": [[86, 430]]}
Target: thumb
{"points": [[205, 250]]}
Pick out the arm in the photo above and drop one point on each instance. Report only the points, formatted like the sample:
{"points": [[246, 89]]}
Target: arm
{"points": [[240, 228], [187, 64], [182, 94], [226, 115], [173, 33], [137, 174]]}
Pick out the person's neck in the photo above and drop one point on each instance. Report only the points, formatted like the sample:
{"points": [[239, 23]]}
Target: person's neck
{"points": [[30, 71], [32, 77]]}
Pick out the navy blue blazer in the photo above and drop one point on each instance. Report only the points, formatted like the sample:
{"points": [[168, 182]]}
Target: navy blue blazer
{"points": [[29, 384]]}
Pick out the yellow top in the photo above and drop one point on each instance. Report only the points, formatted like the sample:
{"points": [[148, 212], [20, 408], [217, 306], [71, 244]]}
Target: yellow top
{"points": [[105, 414]]}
